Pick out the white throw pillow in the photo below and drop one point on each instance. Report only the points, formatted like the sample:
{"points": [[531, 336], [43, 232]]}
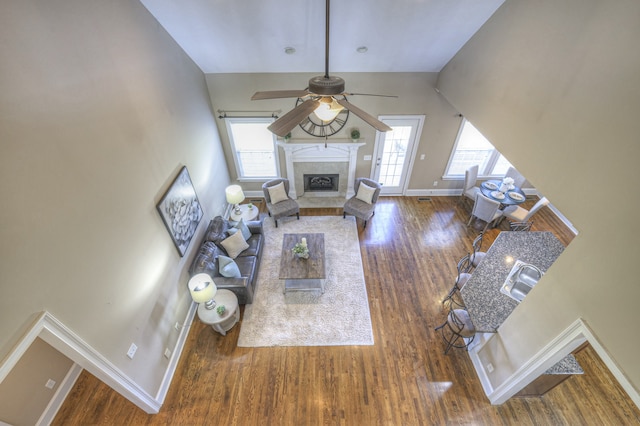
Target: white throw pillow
{"points": [[234, 245], [365, 193], [277, 193]]}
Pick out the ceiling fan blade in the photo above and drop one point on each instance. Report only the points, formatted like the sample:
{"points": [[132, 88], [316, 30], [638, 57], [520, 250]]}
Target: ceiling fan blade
{"points": [[370, 119], [369, 94], [276, 94], [287, 122]]}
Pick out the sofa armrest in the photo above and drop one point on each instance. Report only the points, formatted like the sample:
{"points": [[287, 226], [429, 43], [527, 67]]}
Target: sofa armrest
{"points": [[255, 226]]}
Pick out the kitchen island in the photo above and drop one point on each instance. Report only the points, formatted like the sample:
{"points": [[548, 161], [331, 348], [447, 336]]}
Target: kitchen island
{"points": [[489, 307]]}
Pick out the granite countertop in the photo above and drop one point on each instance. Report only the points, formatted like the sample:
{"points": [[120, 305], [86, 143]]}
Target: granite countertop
{"points": [[487, 306], [567, 365]]}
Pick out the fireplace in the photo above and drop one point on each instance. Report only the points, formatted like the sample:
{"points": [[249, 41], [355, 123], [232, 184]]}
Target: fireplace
{"points": [[320, 182]]}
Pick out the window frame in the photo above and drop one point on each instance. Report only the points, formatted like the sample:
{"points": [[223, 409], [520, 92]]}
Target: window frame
{"points": [[490, 163], [240, 171]]}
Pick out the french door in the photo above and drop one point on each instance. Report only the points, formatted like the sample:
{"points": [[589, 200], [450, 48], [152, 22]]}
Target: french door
{"points": [[394, 152]]}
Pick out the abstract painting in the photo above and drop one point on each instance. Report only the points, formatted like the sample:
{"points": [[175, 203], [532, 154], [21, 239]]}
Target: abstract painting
{"points": [[180, 210]]}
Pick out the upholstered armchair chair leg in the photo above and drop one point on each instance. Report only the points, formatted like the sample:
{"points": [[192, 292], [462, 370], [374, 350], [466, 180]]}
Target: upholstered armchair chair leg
{"points": [[344, 215], [276, 221], [298, 216], [365, 224]]}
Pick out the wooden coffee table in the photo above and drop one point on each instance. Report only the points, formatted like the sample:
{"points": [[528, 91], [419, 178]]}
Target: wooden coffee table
{"points": [[303, 274]]}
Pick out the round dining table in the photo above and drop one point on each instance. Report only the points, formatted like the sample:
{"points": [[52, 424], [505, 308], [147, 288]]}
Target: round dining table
{"points": [[512, 197]]}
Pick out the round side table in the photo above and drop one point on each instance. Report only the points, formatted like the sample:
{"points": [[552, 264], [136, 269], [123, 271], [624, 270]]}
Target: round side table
{"points": [[246, 213], [229, 318]]}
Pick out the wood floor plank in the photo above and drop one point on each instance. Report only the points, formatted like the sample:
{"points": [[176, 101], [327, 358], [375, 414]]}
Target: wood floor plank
{"points": [[409, 253]]}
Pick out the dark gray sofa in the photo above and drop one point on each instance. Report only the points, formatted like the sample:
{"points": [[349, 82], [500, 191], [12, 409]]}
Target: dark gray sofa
{"points": [[248, 261]]}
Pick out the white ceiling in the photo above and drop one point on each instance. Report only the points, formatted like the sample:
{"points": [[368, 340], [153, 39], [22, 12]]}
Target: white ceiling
{"points": [[249, 36]]}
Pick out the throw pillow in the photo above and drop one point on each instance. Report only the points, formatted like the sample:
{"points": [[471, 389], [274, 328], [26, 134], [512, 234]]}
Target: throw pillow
{"points": [[365, 193], [277, 193], [234, 245], [227, 267], [242, 227]]}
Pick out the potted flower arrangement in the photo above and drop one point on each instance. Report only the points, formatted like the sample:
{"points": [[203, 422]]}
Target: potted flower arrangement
{"points": [[355, 135], [221, 309], [287, 137], [301, 250]]}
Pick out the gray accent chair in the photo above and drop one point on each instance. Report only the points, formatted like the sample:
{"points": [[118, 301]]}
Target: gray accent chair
{"points": [[359, 208], [284, 208]]}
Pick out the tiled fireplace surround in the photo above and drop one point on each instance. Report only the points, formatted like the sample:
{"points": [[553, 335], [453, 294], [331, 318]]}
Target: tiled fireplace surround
{"points": [[331, 158]]}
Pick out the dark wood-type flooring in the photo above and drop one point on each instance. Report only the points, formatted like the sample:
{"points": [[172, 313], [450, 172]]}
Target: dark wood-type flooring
{"points": [[409, 254]]}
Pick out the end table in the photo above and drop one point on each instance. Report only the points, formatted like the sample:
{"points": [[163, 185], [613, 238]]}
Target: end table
{"points": [[226, 321], [246, 213]]}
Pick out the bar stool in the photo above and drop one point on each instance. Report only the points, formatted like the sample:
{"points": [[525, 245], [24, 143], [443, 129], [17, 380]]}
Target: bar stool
{"points": [[477, 255], [464, 265], [459, 326]]}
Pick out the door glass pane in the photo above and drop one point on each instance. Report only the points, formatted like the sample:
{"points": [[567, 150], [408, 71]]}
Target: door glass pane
{"points": [[394, 155]]}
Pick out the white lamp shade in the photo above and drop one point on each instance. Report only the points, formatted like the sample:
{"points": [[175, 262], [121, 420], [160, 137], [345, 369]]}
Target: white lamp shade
{"points": [[234, 194], [202, 288], [328, 109]]}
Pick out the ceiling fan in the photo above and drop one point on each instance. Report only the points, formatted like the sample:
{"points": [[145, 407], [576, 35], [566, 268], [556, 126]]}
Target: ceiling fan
{"points": [[325, 98]]}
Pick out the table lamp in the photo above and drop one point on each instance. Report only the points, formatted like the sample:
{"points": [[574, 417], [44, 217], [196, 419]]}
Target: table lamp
{"points": [[234, 196], [203, 289]]}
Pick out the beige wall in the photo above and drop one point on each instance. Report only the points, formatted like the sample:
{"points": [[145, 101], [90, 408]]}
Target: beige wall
{"points": [[416, 95], [23, 394], [99, 110], [554, 85]]}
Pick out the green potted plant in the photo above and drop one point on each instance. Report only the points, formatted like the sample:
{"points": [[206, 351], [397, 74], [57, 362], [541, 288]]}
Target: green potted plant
{"points": [[355, 135], [287, 137]]}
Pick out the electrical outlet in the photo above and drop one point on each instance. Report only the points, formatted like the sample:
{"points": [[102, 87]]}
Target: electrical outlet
{"points": [[167, 353], [435, 183], [177, 326], [50, 384], [422, 156], [490, 367], [367, 158], [132, 350]]}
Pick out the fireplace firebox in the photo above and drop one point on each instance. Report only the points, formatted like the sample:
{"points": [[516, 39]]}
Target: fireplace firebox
{"points": [[320, 182]]}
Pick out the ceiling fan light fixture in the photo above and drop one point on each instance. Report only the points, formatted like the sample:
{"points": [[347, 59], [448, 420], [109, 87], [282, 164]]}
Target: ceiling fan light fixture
{"points": [[289, 50], [362, 49], [328, 109]]}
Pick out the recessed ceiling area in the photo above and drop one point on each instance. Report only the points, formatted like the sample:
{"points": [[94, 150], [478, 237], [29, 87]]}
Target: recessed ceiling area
{"points": [[251, 36]]}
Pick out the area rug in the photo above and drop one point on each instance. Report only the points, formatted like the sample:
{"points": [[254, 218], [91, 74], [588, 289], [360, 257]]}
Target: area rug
{"points": [[340, 316]]}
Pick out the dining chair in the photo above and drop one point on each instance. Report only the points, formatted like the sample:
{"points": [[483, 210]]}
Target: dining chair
{"points": [[464, 265], [485, 209], [477, 255], [519, 214], [457, 326], [518, 179], [469, 189]]}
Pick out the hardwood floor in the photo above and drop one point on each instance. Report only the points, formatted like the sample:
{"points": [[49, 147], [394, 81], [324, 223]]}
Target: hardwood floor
{"points": [[409, 253]]}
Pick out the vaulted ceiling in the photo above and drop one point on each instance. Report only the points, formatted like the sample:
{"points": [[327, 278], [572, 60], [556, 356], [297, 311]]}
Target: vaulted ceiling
{"points": [[250, 36]]}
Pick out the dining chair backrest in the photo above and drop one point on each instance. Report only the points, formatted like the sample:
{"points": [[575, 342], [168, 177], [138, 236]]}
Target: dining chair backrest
{"points": [[520, 226], [470, 177], [485, 208], [537, 206], [518, 179]]}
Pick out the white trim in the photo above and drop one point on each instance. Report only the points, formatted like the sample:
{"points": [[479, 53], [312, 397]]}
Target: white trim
{"points": [[52, 331], [60, 395], [565, 343]]}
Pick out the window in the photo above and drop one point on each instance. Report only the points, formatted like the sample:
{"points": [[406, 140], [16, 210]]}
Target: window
{"points": [[472, 148], [254, 147]]}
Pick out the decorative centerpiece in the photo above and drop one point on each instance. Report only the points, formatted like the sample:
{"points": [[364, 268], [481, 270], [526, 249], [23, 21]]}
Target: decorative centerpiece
{"points": [[250, 206], [287, 137], [507, 184], [221, 309], [300, 249]]}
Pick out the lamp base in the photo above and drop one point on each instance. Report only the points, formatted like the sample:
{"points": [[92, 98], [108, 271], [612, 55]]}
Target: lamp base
{"points": [[237, 210], [210, 304]]}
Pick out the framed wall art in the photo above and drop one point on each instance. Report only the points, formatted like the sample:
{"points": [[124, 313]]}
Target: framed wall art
{"points": [[181, 210]]}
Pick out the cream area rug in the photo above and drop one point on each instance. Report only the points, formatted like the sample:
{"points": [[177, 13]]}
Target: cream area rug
{"points": [[340, 316]]}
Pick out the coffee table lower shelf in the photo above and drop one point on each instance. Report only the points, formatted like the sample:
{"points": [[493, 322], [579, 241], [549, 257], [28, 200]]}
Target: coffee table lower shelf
{"points": [[303, 285]]}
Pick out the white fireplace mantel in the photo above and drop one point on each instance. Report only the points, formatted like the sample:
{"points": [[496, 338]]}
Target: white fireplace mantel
{"points": [[321, 152]]}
